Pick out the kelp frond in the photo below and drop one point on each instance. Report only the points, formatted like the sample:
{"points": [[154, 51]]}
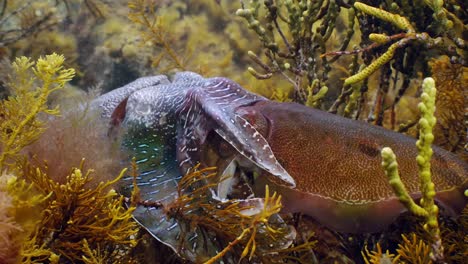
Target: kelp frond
{"points": [[19, 124]]}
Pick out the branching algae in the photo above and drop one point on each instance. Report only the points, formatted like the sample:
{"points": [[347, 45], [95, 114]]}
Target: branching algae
{"points": [[46, 220], [428, 209]]}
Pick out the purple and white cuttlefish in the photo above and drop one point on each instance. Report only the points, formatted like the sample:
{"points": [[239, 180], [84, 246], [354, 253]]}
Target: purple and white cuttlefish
{"points": [[323, 165]]}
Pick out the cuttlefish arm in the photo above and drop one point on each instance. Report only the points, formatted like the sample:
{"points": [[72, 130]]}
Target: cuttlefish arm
{"points": [[144, 112], [336, 164], [214, 107], [148, 115]]}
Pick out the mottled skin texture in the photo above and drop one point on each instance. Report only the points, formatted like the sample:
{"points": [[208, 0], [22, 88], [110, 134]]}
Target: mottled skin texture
{"points": [[324, 165], [336, 165]]}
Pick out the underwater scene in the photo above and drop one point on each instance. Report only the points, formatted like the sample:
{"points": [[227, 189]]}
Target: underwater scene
{"points": [[233, 131]]}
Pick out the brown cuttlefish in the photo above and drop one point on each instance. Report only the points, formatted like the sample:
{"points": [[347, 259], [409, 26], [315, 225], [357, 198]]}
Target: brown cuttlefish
{"points": [[325, 166]]}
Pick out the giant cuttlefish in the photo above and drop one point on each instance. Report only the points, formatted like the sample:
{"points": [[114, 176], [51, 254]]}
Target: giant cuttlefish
{"points": [[324, 165]]}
